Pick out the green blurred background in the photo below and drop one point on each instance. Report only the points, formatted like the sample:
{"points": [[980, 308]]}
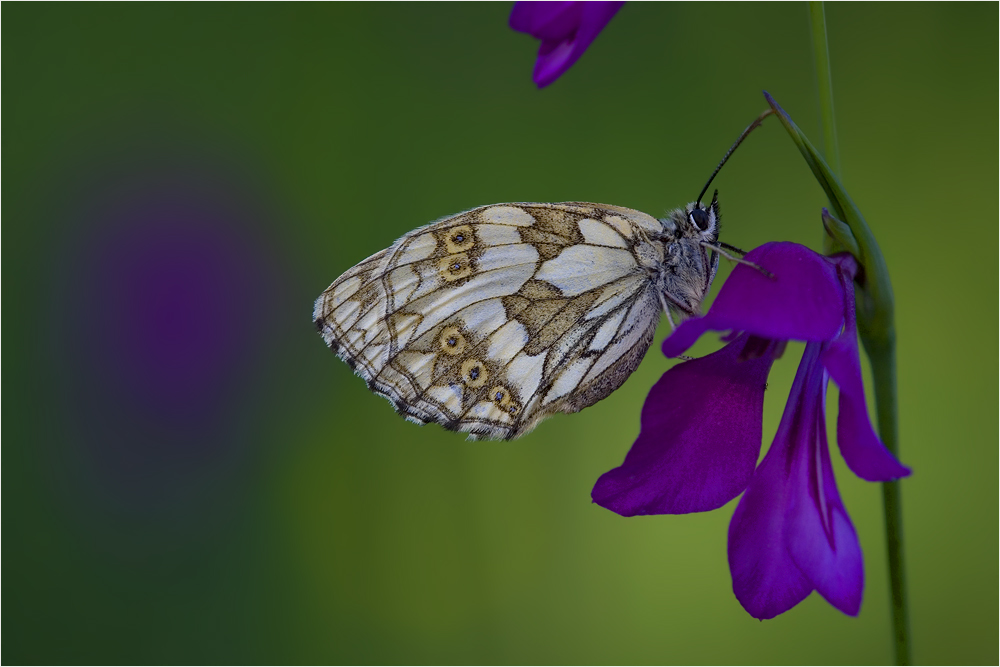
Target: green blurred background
{"points": [[253, 503]]}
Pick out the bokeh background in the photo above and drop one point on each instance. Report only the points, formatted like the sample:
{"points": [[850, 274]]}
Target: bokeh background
{"points": [[190, 476]]}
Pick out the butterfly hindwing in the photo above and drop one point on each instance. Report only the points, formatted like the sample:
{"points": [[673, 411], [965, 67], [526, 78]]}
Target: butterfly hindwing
{"points": [[493, 319]]}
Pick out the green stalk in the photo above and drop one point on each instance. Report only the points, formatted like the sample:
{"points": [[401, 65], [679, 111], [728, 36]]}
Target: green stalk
{"points": [[882, 353], [821, 54], [878, 335]]}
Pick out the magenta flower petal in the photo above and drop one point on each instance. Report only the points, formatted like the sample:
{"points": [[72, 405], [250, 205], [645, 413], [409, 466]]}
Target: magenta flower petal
{"points": [[686, 333], [819, 533], [790, 533], [766, 580], [802, 301], [861, 448], [700, 438], [566, 29], [547, 21]]}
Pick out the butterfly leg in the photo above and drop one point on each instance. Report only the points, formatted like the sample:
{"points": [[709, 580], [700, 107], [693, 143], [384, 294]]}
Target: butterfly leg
{"points": [[666, 309]]}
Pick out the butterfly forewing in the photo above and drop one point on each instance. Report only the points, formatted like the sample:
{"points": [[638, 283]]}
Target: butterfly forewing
{"points": [[491, 320]]}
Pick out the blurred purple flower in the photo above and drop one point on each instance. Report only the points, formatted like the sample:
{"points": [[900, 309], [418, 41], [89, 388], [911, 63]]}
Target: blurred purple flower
{"points": [[566, 29], [701, 433], [172, 274], [159, 285]]}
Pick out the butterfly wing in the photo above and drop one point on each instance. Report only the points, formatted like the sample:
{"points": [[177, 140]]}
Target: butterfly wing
{"points": [[491, 320]]}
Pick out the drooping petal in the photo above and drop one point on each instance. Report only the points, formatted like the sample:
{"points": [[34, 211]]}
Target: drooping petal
{"points": [[700, 438], [801, 300], [790, 533], [861, 448], [820, 535], [566, 30], [818, 532], [766, 580]]}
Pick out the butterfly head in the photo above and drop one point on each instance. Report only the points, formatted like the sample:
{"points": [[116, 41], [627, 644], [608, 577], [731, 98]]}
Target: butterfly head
{"points": [[703, 221]]}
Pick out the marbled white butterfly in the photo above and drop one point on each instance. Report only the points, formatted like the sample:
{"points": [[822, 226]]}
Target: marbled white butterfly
{"points": [[493, 319]]}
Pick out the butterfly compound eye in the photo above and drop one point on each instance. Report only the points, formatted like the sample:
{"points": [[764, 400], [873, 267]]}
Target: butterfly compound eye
{"points": [[700, 218]]}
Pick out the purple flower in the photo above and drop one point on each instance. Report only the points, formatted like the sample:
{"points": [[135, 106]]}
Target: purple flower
{"points": [[566, 30], [171, 291], [701, 433]]}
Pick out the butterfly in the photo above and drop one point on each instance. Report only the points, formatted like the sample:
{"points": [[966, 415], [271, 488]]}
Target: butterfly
{"points": [[493, 319]]}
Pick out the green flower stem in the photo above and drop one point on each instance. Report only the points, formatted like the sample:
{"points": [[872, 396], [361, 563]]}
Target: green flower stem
{"points": [[848, 230], [821, 53], [882, 354]]}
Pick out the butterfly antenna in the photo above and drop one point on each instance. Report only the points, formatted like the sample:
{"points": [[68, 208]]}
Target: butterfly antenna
{"points": [[753, 126]]}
